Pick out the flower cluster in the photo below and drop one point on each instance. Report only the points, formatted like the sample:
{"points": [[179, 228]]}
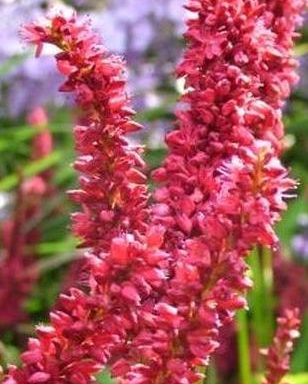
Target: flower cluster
{"points": [[164, 278], [17, 271], [125, 265], [223, 184], [278, 355]]}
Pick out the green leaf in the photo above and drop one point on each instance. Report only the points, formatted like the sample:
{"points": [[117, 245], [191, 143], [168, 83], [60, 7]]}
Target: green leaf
{"points": [[31, 169], [301, 49], [57, 261], [153, 114], [155, 157], [9, 354], [287, 226], [300, 378], [12, 62], [67, 245], [105, 378]]}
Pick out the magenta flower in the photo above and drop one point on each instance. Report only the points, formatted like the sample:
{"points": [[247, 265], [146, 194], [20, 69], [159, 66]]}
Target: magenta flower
{"points": [[17, 267], [278, 355], [125, 265], [223, 186], [164, 279]]}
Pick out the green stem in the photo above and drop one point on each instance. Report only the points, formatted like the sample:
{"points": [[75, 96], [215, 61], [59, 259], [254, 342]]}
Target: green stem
{"points": [[268, 293], [211, 374], [256, 298], [204, 371], [243, 348], [261, 298]]}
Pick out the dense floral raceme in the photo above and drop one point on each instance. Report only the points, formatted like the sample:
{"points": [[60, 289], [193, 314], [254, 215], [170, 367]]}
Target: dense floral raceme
{"points": [[124, 261], [17, 265], [223, 184], [278, 355], [163, 281]]}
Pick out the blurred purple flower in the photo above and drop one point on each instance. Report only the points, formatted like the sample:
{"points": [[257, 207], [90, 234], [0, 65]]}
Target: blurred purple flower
{"points": [[26, 84], [300, 245], [300, 241], [137, 29], [12, 16], [303, 73], [31, 85]]}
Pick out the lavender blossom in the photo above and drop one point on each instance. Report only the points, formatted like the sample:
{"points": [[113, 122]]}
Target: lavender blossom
{"points": [[132, 28], [300, 241]]}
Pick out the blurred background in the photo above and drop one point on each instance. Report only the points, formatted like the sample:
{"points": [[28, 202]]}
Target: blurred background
{"points": [[38, 258]]}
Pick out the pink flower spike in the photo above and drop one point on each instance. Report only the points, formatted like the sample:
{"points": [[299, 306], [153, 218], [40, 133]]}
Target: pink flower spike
{"points": [[164, 279], [279, 353]]}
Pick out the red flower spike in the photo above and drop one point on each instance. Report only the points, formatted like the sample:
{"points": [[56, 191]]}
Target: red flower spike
{"points": [[222, 185], [17, 268], [278, 355], [124, 263], [223, 190]]}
